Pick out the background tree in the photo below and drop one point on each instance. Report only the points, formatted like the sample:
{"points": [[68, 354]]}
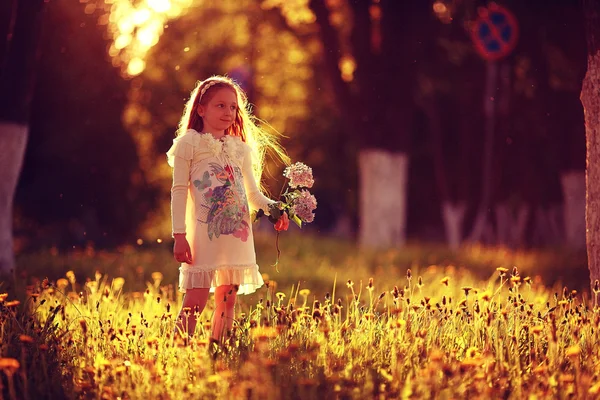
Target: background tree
{"points": [[16, 85], [371, 61], [81, 183], [590, 99]]}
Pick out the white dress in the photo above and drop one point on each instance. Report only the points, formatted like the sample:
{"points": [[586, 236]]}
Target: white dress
{"points": [[213, 190]]}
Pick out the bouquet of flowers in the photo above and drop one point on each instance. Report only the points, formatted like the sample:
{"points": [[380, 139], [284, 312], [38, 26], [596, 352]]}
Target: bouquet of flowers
{"points": [[296, 202]]}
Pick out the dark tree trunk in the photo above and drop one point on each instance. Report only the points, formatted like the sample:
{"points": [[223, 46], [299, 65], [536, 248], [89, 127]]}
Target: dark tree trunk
{"points": [[590, 99], [16, 90]]}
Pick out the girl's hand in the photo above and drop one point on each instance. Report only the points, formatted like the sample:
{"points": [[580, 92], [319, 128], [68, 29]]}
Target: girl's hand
{"points": [[181, 249]]}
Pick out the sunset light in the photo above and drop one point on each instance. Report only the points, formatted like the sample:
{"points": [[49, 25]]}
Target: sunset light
{"points": [[135, 27]]}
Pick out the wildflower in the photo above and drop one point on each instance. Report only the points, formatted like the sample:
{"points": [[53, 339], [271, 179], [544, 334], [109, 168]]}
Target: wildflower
{"points": [[3, 297], [486, 296], [118, 283], [62, 283], [157, 277], [467, 289], [300, 175], [502, 270], [9, 365], [280, 295], [370, 286], [25, 339], [445, 280], [71, 277], [350, 283], [408, 274], [573, 351]]}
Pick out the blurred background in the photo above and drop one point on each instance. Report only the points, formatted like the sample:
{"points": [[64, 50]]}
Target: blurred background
{"points": [[446, 122]]}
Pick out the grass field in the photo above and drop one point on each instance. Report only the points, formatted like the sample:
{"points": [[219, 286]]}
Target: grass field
{"points": [[334, 322]]}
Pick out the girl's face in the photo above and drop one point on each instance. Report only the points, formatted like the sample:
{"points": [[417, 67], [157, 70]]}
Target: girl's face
{"points": [[220, 111]]}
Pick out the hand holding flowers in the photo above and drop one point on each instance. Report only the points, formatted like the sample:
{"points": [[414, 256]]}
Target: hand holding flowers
{"points": [[296, 204]]}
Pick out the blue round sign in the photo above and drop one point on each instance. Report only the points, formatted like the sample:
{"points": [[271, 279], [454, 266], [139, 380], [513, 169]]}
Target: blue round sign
{"points": [[494, 32]]}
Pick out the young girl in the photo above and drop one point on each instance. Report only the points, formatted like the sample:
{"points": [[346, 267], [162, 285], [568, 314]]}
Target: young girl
{"points": [[217, 160]]}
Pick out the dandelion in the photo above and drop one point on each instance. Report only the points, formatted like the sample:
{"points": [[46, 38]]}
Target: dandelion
{"points": [[62, 283], [573, 352], [25, 339], [157, 277], [117, 284], [71, 277], [300, 175]]}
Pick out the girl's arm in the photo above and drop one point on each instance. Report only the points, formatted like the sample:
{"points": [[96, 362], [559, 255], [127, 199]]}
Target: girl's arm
{"points": [[256, 200], [179, 193]]}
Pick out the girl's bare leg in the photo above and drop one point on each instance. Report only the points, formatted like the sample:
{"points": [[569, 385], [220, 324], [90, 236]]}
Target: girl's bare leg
{"points": [[225, 297], [195, 300]]}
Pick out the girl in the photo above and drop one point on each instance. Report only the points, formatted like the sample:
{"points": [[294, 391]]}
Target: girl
{"points": [[217, 160]]}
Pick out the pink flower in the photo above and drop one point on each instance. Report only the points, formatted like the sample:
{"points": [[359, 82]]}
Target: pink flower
{"points": [[243, 232], [304, 205], [300, 175]]}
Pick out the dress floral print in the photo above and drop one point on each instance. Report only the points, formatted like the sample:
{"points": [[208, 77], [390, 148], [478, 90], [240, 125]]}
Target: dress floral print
{"points": [[225, 204]]}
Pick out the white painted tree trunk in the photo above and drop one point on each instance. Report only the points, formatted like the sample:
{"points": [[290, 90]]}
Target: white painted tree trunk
{"points": [[13, 139], [510, 227], [573, 188], [453, 216], [383, 180]]}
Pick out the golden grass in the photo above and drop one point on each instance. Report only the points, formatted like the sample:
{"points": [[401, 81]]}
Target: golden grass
{"points": [[431, 331]]}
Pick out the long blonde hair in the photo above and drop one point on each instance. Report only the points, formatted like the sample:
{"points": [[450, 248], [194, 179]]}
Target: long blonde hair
{"points": [[245, 125]]}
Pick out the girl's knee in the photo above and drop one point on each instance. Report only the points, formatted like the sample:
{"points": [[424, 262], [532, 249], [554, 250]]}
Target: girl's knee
{"points": [[195, 297]]}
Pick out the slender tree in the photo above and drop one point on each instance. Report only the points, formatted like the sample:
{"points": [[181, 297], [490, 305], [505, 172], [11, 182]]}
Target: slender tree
{"points": [[16, 88], [377, 104], [590, 98]]}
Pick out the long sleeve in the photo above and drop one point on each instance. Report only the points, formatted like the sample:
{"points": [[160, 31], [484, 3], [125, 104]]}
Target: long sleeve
{"points": [[256, 200], [179, 193], [180, 157]]}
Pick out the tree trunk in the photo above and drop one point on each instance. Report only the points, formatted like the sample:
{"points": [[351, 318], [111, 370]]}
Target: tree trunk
{"points": [[481, 218], [453, 216], [590, 100], [383, 180], [16, 89], [13, 138], [573, 186], [511, 226]]}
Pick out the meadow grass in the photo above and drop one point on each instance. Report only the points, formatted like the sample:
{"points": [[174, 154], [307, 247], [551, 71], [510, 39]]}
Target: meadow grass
{"points": [[334, 322]]}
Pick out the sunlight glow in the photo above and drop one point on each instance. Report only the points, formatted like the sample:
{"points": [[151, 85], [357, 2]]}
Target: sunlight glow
{"points": [[135, 27], [347, 67]]}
